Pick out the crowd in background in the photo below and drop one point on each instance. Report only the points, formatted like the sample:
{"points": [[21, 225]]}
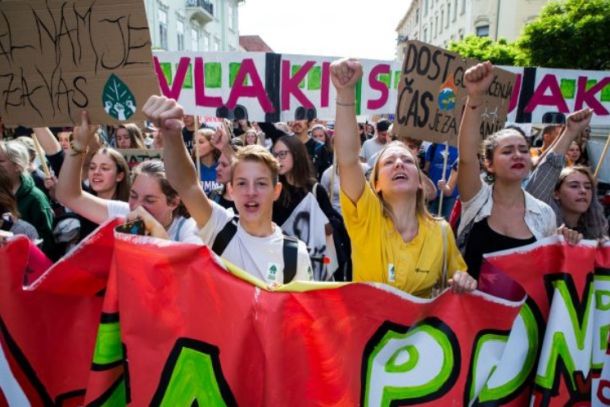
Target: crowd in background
{"points": [[374, 193]]}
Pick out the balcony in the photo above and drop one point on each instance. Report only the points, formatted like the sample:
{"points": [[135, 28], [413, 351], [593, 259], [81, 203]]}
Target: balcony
{"points": [[200, 10]]}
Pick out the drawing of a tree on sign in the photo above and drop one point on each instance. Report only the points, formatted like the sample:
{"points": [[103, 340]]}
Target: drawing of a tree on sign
{"points": [[118, 100]]}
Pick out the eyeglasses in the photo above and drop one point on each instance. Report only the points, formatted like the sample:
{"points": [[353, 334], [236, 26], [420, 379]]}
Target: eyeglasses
{"points": [[281, 154]]}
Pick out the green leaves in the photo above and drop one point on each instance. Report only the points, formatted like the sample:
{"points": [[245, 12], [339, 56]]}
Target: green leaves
{"points": [[569, 34], [485, 49], [117, 99]]}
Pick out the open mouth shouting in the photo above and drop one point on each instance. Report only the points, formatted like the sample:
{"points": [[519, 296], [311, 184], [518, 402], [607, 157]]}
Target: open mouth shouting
{"points": [[251, 206], [400, 176]]}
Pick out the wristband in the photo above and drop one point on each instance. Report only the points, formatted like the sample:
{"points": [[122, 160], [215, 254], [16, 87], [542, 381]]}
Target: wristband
{"points": [[345, 104]]}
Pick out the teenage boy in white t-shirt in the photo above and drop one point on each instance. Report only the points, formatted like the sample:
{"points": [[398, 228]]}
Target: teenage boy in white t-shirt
{"points": [[252, 242]]}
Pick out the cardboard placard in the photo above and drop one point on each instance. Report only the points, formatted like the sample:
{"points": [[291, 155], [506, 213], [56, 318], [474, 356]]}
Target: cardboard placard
{"points": [[58, 57], [431, 95], [135, 156]]}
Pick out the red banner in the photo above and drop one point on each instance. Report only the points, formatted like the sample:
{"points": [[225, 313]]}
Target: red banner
{"points": [[569, 293], [176, 327]]}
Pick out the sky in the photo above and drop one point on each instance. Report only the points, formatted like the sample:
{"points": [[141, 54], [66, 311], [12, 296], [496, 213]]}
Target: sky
{"points": [[342, 28]]}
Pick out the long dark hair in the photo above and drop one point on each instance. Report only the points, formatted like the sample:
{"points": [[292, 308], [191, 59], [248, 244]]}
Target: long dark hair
{"points": [[123, 187], [8, 202], [302, 173]]}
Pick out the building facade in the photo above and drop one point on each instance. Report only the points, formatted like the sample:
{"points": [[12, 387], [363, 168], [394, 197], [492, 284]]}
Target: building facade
{"points": [[438, 22], [193, 25]]}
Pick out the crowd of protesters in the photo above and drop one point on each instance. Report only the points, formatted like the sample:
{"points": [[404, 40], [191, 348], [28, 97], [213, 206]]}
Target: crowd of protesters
{"points": [[309, 199]]}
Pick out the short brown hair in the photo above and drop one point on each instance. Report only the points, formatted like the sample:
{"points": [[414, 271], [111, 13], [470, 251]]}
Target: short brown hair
{"points": [[259, 154]]}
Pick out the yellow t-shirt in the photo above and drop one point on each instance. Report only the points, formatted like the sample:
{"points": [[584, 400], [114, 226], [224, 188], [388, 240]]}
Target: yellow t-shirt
{"points": [[380, 254]]}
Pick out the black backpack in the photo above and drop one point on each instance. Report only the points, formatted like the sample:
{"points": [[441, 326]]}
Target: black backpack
{"points": [[290, 248]]}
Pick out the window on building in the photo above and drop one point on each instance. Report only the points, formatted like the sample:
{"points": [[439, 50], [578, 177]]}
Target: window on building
{"points": [[455, 6], [231, 15], [440, 28], [216, 44], [194, 39], [461, 34], [435, 26], [463, 10], [425, 7], [448, 14], [162, 28], [417, 16], [180, 34], [206, 41], [483, 31], [425, 34]]}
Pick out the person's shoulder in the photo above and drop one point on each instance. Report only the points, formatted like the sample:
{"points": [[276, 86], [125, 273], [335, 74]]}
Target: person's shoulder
{"points": [[117, 208], [536, 205], [326, 174], [301, 248], [21, 227], [433, 223]]}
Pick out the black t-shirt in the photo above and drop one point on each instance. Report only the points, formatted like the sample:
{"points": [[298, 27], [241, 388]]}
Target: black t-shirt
{"points": [[217, 196], [482, 240], [187, 137], [320, 157]]}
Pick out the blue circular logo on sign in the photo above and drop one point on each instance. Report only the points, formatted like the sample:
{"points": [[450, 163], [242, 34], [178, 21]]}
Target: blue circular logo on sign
{"points": [[446, 99]]}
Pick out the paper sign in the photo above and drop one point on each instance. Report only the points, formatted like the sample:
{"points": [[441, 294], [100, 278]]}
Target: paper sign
{"points": [[60, 57], [431, 95], [135, 156]]}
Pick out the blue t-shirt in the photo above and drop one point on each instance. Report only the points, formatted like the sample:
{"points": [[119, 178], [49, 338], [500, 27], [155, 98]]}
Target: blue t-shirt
{"points": [[434, 155], [208, 178]]}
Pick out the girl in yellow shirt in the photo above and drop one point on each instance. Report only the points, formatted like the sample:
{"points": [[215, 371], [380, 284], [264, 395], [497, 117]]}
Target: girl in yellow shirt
{"points": [[394, 238]]}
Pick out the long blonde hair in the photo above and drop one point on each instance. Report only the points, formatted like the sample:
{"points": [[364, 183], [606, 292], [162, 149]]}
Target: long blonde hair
{"points": [[420, 201]]}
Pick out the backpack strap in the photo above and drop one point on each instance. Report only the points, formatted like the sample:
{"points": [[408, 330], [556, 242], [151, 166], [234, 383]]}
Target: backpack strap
{"points": [[224, 236], [290, 248], [290, 251]]}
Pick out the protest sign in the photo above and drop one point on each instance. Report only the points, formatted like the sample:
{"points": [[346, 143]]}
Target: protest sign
{"points": [[543, 90], [135, 156], [276, 85], [266, 86], [431, 95], [62, 56]]}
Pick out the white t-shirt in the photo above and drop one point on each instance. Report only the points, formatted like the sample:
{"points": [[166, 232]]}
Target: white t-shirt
{"points": [[369, 148], [325, 181], [260, 256], [181, 230]]}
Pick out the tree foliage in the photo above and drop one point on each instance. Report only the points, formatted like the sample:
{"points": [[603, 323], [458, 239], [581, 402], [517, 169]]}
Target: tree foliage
{"points": [[572, 34], [485, 49], [569, 34]]}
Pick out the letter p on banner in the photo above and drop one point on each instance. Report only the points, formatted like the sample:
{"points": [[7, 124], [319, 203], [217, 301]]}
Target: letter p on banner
{"points": [[409, 365]]}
